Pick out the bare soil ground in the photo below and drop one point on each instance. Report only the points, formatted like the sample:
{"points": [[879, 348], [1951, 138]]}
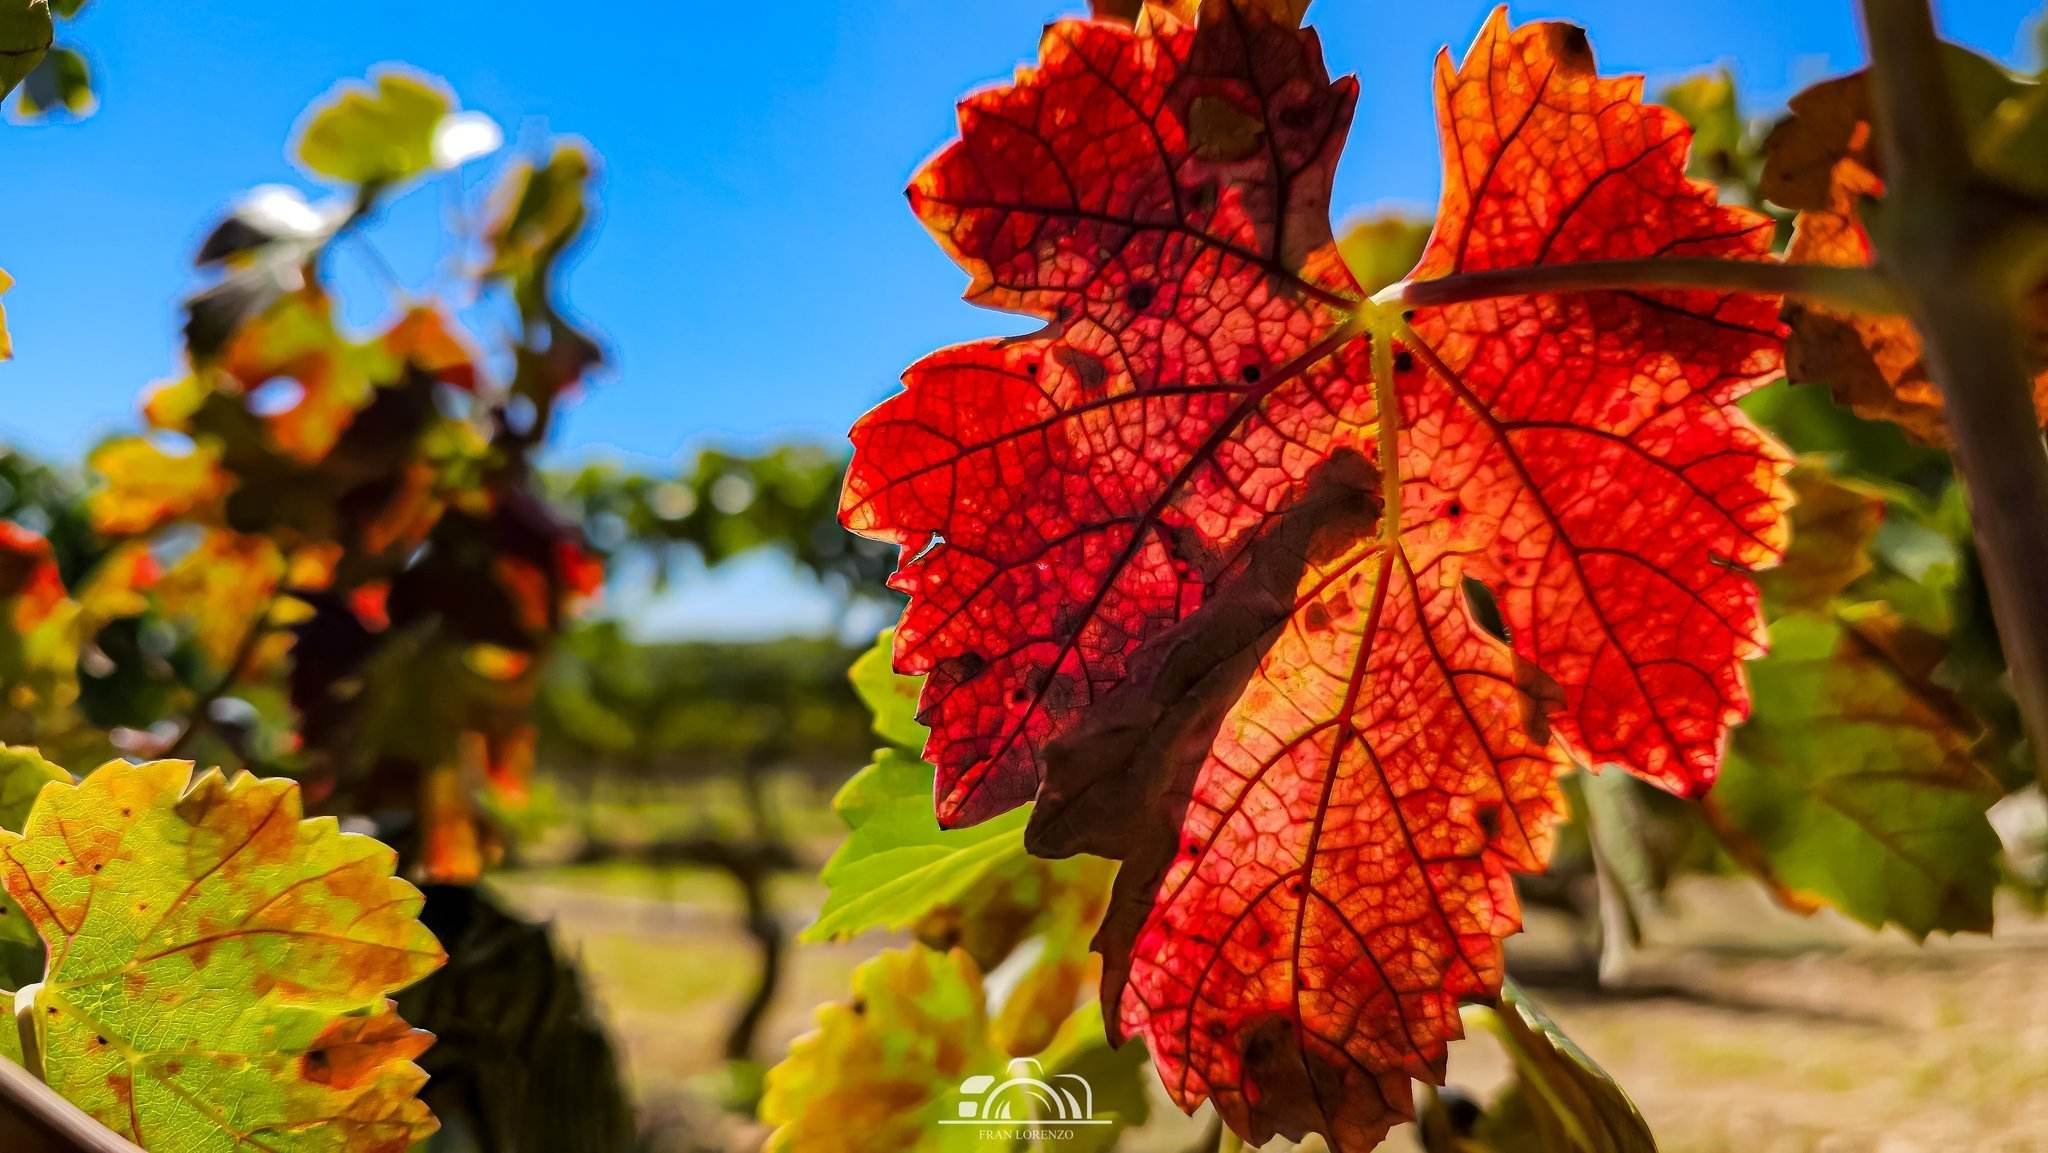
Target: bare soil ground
{"points": [[1739, 1029]]}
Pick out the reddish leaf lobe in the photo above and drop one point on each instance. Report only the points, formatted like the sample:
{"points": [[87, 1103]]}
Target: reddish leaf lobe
{"points": [[1338, 874]]}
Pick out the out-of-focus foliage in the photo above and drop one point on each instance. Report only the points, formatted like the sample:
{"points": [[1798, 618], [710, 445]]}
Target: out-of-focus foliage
{"points": [[724, 505], [217, 966], [55, 78], [360, 576], [614, 705], [1823, 162]]}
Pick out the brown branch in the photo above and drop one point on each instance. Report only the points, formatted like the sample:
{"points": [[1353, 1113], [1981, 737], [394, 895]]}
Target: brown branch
{"points": [[1951, 241]]}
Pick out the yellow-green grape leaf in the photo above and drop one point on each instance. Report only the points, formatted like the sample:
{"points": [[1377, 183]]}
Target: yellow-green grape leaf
{"points": [[882, 1070], [896, 865], [1856, 780], [1561, 1100], [1381, 249], [1834, 522], [382, 133], [23, 773], [218, 966], [889, 695], [25, 35], [142, 486]]}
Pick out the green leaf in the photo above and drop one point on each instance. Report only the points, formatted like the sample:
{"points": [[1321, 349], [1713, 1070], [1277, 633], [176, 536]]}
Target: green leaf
{"points": [[381, 134], [890, 695], [883, 1069], [1856, 781], [896, 864], [25, 35], [1561, 1100], [218, 966]]}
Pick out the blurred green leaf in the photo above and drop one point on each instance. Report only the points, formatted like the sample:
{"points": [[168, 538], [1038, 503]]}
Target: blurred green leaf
{"points": [[890, 695], [1708, 102], [62, 82], [1382, 248], [1561, 1100], [1857, 780], [379, 134]]}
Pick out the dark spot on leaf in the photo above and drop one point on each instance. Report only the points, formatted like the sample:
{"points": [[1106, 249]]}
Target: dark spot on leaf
{"points": [[860, 1006], [1404, 361], [1454, 510], [1215, 1030], [1250, 373], [1141, 295], [1298, 116], [1489, 820], [1090, 370], [1203, 198], [1316, 618]]}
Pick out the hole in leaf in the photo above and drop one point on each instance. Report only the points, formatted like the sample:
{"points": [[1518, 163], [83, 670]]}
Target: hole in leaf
{"points": [[1486, 610]]}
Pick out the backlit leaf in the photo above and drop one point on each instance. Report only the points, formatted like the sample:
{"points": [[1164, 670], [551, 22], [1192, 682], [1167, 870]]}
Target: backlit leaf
{"points": [[1331, 762], [6, 342], [218, 966], [897, 864]]}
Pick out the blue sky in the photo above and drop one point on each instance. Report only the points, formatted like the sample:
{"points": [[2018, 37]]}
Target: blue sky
{"points": [[755, 269]]}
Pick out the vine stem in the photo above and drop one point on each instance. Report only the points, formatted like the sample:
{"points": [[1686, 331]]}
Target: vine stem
{"points": [[1950, 240], [34, 1119], [1858, 289]]}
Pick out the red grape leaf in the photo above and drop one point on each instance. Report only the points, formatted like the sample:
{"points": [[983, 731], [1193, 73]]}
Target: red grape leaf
{"points": [[1318, 762]]}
